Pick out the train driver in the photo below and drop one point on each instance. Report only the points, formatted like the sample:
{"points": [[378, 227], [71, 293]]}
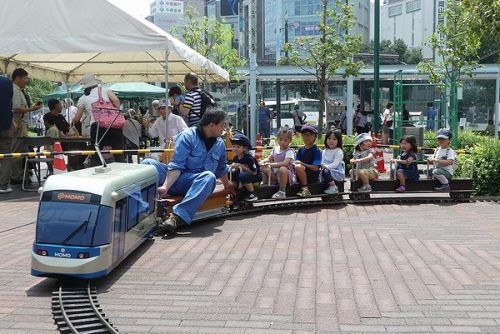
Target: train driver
{"points": [[199, 159]]}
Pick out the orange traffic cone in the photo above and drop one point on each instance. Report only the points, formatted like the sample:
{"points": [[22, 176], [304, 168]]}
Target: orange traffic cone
{"points": [[59, 163]]}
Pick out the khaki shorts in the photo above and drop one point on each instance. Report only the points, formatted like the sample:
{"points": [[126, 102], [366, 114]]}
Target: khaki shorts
{"points": [[372, 173], [442, 171]]}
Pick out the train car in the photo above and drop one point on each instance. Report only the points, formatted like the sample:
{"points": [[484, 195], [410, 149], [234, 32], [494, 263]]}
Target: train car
{"points": [[90, 220]]}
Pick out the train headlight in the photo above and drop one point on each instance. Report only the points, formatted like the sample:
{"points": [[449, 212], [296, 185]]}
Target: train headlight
{"points": [[41, 252], [83, 255]]}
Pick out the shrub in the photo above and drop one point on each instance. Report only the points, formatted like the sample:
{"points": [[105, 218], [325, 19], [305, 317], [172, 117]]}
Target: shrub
{"points": [[484, 157]]}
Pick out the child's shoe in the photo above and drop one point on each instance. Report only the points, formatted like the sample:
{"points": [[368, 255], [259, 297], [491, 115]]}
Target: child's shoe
{"points": [[443, 187], [251, 197], [304, 192], [331, 190], [279, 194], [400, 189], [365, 189]]}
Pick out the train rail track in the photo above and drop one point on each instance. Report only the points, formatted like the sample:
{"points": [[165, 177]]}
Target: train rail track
{"points": [[315, 201], [76, 310]]}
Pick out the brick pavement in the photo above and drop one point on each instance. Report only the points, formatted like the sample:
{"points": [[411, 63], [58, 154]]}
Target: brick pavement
{"points": [[344, 269]]}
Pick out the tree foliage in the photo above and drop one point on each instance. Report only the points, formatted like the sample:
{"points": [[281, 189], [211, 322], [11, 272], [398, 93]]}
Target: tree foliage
{"points": [[457, 42], [487, 27], [334, 49], [212, 39], [37, 89], [406, 54]]}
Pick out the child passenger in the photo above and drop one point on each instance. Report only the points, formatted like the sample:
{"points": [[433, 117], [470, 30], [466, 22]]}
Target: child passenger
{"points": [[363, 158], [51, 131], [443, 160], [407, 162], [308, 160], [245, 169], [332, 162], [279, 165]]}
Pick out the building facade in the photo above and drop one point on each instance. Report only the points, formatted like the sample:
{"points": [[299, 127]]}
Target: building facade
{"points": [[279, 21], [413, 21], [167, 14]]}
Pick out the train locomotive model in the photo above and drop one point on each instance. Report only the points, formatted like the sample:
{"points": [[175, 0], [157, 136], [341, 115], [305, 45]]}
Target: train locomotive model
{"points": [[90, 220]]}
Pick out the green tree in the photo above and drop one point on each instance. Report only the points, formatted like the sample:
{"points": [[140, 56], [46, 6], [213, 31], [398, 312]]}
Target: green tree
{"points": [[406, 55], [456, 42], [333, 50], [37, 89], [212, 39]]}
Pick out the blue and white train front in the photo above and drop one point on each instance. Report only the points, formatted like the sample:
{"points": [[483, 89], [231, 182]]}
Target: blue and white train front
{"points": [[73, 235]]}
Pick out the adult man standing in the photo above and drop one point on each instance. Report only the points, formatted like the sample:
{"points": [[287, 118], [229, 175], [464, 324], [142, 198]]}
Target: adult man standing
{"points": [[6, 92], [264, 121], [166, 126], [21, 108], [199, 159], [299, 118], [431, 117], [191, 107], [56, 117]]}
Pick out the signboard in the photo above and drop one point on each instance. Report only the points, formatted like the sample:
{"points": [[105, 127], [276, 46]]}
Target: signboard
{"points": [[170, 7], [440, 16], [253, 26]]}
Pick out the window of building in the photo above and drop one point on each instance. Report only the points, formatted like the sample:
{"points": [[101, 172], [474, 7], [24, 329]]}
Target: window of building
{"points": [[390, 2], [413, 6], [395, 10]]}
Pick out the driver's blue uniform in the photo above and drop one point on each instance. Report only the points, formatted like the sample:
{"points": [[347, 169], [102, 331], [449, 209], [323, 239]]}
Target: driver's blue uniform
{"points": [[199, 171]]}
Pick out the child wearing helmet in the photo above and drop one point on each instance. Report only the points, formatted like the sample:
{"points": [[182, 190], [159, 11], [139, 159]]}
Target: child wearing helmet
{"points": [[245, 169], [443, 159]]}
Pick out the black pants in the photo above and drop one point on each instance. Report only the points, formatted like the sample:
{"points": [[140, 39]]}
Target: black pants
{"points": [[113, 138]]}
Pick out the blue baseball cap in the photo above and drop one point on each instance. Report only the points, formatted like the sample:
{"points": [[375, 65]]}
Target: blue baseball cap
{"points": [[308, 128], [444, 134], [241, 139]]}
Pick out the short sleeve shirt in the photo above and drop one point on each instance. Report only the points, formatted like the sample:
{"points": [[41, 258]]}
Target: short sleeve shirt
{"points": [[19, 101], [193, 102], [310, 156], [264, 115], [446, 154], [298, 116], [249, 161], [361, 155], [406, 156]]}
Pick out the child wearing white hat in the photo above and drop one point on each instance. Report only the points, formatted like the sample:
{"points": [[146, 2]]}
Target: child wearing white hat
{"points": [[365, 163]]}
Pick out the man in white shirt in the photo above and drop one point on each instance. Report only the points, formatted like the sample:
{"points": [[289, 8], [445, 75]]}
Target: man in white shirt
{"points": [[166, 126]]}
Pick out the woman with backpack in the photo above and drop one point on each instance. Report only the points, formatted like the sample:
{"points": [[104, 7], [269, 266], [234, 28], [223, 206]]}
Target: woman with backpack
{"points": [[100, 131]]}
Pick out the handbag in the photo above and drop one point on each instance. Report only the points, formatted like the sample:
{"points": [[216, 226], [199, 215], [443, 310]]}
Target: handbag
{"points": [[106, 114]]}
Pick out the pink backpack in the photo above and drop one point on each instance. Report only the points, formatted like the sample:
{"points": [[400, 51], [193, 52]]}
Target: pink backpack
{"points": [[106, 114]]}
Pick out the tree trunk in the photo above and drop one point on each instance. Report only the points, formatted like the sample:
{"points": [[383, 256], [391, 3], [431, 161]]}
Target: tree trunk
{"points": [[323, 95]]}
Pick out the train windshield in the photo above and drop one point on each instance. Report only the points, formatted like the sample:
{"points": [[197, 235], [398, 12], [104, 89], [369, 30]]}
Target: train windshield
{"points": [[74, 224]]}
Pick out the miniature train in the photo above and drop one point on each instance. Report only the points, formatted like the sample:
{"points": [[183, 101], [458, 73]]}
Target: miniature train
{"points": [[90, 220]]}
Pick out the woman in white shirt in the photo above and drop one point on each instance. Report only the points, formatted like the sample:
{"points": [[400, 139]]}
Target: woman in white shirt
{"points": [[113, 137], [387, 123]]}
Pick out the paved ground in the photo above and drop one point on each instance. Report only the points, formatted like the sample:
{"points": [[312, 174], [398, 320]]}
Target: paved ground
{"points": [[343, 269]]}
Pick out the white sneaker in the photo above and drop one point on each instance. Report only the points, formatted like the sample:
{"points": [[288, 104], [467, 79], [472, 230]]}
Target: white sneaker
{"points": [[279, 194], [365, 189], [5, 189], [331, 190]]}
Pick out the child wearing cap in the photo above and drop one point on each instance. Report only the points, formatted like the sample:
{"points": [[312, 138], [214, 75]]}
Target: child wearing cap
{"points": [[308, 160], [365, 164], [245, 169], [443, 159]]}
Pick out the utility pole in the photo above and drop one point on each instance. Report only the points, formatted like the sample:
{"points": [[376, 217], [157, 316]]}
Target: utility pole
{"points": [[376, 67], [253, 69]]}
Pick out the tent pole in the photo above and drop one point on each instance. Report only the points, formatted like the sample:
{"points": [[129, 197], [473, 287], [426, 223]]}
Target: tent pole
{"points": [[166, 74]]}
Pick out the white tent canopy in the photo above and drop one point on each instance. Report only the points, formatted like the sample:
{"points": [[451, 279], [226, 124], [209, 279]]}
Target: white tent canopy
{"points": [[60, 40]]}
